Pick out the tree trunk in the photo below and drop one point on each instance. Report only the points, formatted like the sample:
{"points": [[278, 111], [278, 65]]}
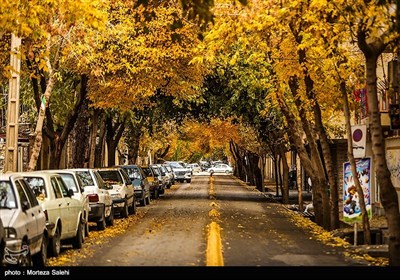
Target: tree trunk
{"points": [[133, 141], [114, 134], [37, 145], [285, 173], [324, 141], [99, 154], [93, 137], [365, 219], [82, 136], [388, 193], [296, 139], [317, 175]]}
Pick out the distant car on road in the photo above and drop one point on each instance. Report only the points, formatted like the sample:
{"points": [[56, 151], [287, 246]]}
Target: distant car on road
{"points": [[220, 168], [181, 173]]}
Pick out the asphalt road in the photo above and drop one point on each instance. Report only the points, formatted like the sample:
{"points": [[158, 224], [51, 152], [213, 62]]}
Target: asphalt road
{"points": [[248, 230]]}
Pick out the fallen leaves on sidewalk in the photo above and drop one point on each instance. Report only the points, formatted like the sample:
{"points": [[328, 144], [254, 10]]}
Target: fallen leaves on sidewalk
{"points": [[329, 239]]}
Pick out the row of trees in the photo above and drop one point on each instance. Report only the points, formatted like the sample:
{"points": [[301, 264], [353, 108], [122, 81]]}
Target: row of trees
{"points": [[267, 76]]}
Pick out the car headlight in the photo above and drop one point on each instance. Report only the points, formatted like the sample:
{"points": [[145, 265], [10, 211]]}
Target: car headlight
{"points": [[10, 232]]}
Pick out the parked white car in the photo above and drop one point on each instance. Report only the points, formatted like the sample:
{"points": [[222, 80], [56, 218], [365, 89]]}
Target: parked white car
{"points": [[100, 200], [65, 213], [24, 222], [74, 183], [220, 168], [122, 192]]}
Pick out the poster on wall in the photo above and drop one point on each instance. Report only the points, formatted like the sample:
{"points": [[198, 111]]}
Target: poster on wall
{"points": [[393, 163], [351, 204]]}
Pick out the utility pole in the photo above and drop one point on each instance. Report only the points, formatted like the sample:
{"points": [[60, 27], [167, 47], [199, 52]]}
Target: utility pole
{"points": [[11, 156]]}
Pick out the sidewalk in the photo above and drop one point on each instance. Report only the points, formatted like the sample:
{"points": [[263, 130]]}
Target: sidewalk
{"points": [[378, 224]]}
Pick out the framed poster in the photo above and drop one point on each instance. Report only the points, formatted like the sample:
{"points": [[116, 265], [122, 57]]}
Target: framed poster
{"points": [[393, 163], [351, 204]]}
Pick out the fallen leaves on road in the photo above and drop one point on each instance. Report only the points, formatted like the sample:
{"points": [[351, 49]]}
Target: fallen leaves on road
{"points": [[69, 256]]}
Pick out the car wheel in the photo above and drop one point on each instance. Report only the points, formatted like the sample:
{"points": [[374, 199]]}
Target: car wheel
{"points": [[40, 259], [156, 194], [78, 240], [190, 180], [110, 219], [101, 225], [25, 258], [148, 199], [132, 209], [124, 211], [143, 202], [87, 227], [55, 243]]}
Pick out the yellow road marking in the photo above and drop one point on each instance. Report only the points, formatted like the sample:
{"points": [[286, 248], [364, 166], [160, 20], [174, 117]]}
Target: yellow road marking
{"points": [[214, 246]]}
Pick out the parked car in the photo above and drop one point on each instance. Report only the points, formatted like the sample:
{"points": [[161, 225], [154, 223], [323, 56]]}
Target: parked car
{"points": [[166, 176], [220, 168], [153, 179], [122, 192], [162, 178], [65, 222], [170, 173], [24, 222], [181, 173], [100, 200], [74, 183], [195, 167], [140, 183]]}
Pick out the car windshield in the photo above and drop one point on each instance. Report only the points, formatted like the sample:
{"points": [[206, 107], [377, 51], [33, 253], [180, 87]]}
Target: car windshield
{"points": [[38, 187], [7, 196], [147, 171], [133, 173], [111, 176], [86, 178], [175, 165]]}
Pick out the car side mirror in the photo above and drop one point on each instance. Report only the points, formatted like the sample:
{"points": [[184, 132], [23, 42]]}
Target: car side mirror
{"points": [[24, 205], [70, 193]]}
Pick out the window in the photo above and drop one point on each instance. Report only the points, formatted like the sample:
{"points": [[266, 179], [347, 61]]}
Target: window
{"points": [[63, 186], [7, 195], [70, 182], [85, 177], [37, 185], [56, 188], [31, 196], [22, 195]]}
